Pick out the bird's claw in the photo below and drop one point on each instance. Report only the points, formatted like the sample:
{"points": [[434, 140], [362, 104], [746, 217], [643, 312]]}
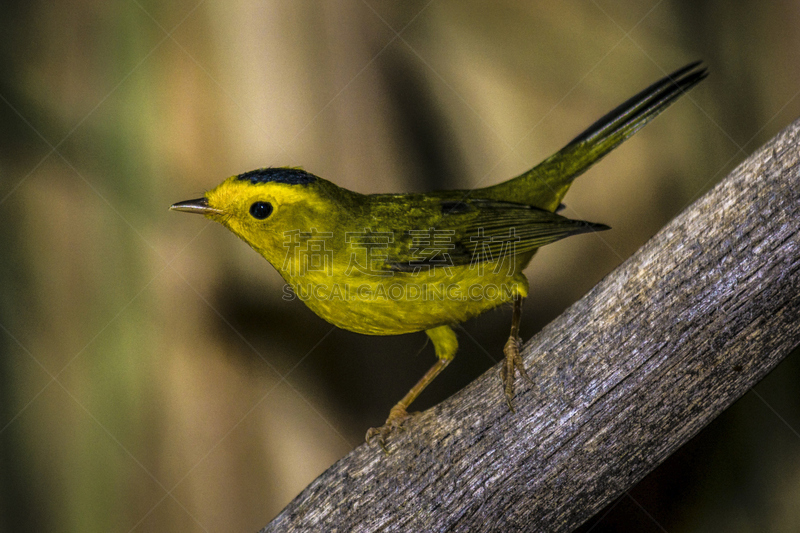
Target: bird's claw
{"points": [[511, 364], [397, 417]]}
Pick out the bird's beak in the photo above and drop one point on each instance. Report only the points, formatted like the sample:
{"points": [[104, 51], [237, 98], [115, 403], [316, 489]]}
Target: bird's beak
{"points": [[199, 206]]}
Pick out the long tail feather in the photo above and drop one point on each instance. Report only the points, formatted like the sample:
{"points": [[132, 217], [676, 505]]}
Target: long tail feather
{"points": [[545, 185], [629, 117]]}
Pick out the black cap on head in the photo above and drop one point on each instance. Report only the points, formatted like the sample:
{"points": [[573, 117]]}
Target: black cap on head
{"points": [[290, 176]]}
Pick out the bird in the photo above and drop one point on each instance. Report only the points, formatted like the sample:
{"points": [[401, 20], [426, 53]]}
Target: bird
{"points": [[390, 264]]}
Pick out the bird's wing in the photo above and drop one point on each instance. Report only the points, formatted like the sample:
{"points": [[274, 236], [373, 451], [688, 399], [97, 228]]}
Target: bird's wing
{"points": [[477, 230]]}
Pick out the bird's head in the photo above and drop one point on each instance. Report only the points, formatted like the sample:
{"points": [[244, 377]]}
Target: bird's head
{"points": [[264, 206]]}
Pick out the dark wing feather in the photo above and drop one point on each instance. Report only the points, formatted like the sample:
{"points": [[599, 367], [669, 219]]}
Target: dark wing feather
{"points": [[479, 230]]}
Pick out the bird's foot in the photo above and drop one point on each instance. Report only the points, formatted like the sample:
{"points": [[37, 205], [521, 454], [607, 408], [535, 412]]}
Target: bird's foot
{"points": [[512, 363], [397, 417]]}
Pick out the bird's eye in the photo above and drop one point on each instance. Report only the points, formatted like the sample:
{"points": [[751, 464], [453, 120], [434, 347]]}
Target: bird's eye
{"points": [[261, 210]]}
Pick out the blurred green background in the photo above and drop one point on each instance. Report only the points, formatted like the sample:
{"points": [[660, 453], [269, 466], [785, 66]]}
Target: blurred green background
{"points": [[151, 376]]}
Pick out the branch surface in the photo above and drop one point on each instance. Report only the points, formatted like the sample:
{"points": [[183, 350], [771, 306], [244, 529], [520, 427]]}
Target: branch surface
{"points": [[624, 377]]}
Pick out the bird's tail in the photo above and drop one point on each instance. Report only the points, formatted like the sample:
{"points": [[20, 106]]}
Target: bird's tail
{"points": [[545, 185]]}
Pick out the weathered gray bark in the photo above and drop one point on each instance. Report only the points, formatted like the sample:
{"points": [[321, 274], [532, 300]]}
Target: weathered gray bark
{"points": [[623, 378]]}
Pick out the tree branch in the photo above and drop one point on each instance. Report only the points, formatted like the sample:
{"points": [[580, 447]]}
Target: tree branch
{"points": [[623, 378]]}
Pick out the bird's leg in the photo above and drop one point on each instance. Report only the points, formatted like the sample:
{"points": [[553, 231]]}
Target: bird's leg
{"points": [[513, 360], [446, 344], [399, 414]]}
